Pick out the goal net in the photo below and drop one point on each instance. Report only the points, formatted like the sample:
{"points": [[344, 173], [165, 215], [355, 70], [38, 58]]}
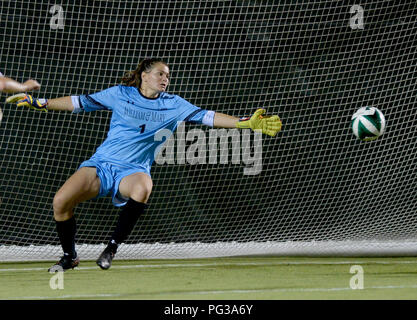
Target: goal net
{"points": [[314, 189]]}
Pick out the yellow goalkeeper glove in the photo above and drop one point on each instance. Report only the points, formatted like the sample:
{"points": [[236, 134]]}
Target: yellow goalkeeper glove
{"points": [[26, 100], [269, 125]]}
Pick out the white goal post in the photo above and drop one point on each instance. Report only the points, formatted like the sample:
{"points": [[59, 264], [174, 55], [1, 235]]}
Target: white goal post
{"points": [[314, 189]]}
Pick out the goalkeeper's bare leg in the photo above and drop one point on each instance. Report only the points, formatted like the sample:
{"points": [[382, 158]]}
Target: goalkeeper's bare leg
{"points": [[81, 186]]}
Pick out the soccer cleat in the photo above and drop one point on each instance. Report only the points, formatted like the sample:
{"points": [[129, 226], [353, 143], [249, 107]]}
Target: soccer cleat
{"points": [[66, 262], [105, 259]]}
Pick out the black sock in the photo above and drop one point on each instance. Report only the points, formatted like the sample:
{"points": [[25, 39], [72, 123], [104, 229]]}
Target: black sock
{"points": [[66, 233], [126, 222]]}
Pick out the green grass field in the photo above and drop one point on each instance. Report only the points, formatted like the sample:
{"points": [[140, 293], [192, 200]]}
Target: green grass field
{"points": [[221, 278]]}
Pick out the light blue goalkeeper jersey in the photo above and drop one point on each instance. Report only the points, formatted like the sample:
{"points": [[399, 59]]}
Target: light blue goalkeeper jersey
{"points": [[135, 121]]}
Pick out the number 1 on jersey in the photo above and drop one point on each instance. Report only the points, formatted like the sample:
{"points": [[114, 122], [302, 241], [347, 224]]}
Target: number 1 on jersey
{"points": [[142, 128]]}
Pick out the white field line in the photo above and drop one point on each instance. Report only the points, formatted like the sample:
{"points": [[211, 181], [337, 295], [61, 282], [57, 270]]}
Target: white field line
{"points": [[220, 264], [278, 290]]}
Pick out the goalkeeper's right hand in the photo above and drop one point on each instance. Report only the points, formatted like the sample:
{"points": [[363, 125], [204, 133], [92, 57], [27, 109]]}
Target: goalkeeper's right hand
{"points": [[26, 100]]}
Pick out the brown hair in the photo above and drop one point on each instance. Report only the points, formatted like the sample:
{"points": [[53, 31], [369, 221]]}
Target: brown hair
{"points": [[133, 78]]}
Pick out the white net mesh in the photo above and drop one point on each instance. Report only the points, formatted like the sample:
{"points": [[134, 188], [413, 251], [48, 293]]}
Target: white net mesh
{"points": [[320, 190]]}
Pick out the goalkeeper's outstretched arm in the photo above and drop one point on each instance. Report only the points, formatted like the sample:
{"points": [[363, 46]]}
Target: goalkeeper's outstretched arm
{"points": [[60, 104], [222, 120], [26, 100], [269, 125]]}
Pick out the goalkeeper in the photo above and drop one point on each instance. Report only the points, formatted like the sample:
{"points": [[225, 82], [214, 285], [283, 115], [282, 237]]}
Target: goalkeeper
{"points": [[121, 164]]}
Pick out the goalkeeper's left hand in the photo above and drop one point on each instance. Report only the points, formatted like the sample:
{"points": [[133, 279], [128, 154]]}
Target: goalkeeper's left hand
{"points": [[26, 100], [269, 125]]}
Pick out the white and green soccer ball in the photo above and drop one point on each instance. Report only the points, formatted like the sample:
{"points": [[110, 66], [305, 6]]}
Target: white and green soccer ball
{"points": [[368, 123]]}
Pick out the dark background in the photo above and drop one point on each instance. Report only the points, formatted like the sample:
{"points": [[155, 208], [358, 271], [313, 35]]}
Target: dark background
{"points": [[297, 59]]}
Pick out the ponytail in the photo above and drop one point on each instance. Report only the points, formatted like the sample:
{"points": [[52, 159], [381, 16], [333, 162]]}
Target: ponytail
{"points": [[134, 78]]}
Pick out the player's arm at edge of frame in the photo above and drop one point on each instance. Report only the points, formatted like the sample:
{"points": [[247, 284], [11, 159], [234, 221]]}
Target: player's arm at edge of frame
{"points": [[9, 85]]}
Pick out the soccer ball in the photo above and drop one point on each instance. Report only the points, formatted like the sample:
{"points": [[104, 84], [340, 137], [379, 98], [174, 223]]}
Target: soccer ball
{"points": [[368, 123]]}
